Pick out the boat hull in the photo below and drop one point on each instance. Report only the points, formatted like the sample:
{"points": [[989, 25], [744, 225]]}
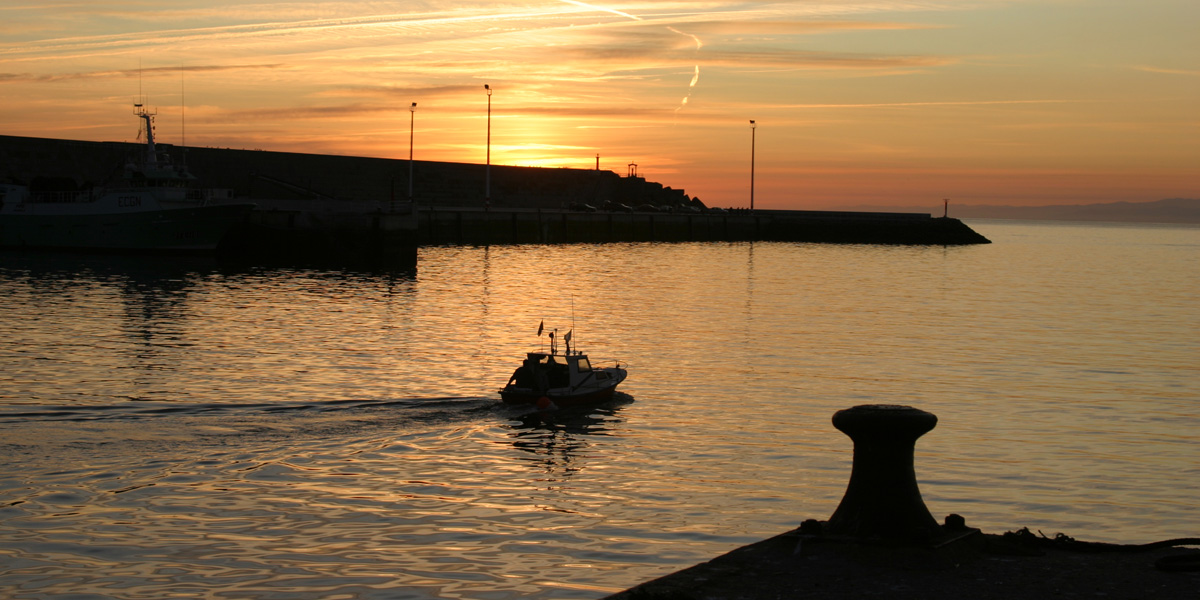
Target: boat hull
{"points": [[194, 229], [564, 397]]}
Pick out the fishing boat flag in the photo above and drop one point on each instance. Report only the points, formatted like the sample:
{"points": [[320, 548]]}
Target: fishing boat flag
{"points": [[540, 326]]}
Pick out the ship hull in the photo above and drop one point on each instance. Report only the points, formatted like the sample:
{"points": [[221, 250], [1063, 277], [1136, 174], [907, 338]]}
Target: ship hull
{"points": [[194, 229], [594, 393]]}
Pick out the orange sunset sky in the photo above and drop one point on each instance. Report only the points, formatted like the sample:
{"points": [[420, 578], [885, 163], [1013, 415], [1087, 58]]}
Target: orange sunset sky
{"points": [[882, 102]]}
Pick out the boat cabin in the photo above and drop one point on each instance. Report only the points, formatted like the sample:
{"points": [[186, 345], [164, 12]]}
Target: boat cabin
{"points": [[542, 371]]}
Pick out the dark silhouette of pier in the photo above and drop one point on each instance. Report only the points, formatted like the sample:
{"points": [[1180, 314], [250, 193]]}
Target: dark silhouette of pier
{"points": [[311, 205]]}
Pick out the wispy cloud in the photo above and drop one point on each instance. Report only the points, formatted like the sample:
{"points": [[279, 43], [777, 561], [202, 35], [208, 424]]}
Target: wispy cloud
{"points": [[927, 104], [126, 73], [1166, 71]]}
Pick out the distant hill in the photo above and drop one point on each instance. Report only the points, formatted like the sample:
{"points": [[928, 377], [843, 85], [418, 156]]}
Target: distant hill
{"points": [[1173, 210]]}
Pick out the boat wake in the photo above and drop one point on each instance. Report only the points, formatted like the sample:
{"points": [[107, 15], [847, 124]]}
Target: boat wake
{"points": [[148, 410]]}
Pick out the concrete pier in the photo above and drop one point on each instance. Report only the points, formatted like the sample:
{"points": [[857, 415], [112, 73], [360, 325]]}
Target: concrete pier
{"points": [[882, 542]]}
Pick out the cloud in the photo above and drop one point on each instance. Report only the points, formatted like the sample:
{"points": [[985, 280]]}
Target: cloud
{"points": [[456, 23], [799, 27], [921, 104], [56, 77], [642, 50], [1166, 71], [413, 91], [602, 9]]}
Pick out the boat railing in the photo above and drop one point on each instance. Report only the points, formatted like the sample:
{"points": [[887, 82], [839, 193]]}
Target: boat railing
{"points": [[65, 197]]}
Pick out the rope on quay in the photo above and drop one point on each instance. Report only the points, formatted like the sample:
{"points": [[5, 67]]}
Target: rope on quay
{"points": [[1189, 561]]}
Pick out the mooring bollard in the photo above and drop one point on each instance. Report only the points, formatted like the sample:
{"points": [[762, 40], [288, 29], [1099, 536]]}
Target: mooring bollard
{"points": [[882, 499]]}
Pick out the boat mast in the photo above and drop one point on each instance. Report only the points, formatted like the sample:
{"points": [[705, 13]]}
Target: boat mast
{"points": [[139, 109]]}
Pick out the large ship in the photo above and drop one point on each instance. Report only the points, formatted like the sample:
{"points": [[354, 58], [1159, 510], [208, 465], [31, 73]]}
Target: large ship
{"points": [[154, 205]]}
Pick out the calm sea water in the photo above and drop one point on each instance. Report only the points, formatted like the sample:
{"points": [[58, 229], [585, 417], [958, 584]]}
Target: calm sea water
{"points": [[170, 428]]}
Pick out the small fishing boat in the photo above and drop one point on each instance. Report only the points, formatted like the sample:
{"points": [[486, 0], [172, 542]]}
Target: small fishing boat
{"points": [[550, 379], [155, 206]]}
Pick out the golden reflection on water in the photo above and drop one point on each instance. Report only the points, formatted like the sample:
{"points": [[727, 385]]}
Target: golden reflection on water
{"points": [[176, 428]]}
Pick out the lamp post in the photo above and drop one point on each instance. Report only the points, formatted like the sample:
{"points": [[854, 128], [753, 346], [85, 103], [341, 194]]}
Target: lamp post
{"points": [[487, 197], [412, 115], [752, 133]]}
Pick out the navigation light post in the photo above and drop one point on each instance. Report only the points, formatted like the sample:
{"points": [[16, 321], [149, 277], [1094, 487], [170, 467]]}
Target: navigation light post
{"points": [[752, 132], [487, 197], [412, 115]]}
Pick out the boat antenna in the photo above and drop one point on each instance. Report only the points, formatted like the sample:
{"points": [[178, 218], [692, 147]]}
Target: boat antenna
{"points": [[182, 120], [147, 117]]}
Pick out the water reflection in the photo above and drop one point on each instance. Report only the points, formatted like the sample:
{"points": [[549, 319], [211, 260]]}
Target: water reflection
{"points": [[57, 272], [89, 329], [147, 298], [559, 440]]}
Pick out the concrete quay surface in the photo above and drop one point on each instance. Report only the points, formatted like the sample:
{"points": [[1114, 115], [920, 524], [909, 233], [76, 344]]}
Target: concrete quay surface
{"points": [[977, 566]]}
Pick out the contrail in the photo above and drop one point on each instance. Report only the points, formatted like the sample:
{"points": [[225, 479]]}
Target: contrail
{"points": [[602, 9], [696, 75], [699, 44]]}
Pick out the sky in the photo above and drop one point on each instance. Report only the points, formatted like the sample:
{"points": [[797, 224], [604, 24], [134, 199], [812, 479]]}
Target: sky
{"points": [[856, 102]]}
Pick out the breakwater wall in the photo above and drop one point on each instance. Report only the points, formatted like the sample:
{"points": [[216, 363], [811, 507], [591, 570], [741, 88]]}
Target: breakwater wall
{"points": [[534, 226]]}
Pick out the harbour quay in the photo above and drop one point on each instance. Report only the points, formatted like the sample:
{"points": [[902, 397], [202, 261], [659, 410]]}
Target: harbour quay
{"points": [[310, 207]]}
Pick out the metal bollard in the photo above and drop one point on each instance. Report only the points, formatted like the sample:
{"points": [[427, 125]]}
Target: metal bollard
{"points": [[882, 499]]}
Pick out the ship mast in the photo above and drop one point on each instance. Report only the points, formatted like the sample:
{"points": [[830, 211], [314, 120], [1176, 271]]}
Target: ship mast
{"points": [[148, 117]]}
